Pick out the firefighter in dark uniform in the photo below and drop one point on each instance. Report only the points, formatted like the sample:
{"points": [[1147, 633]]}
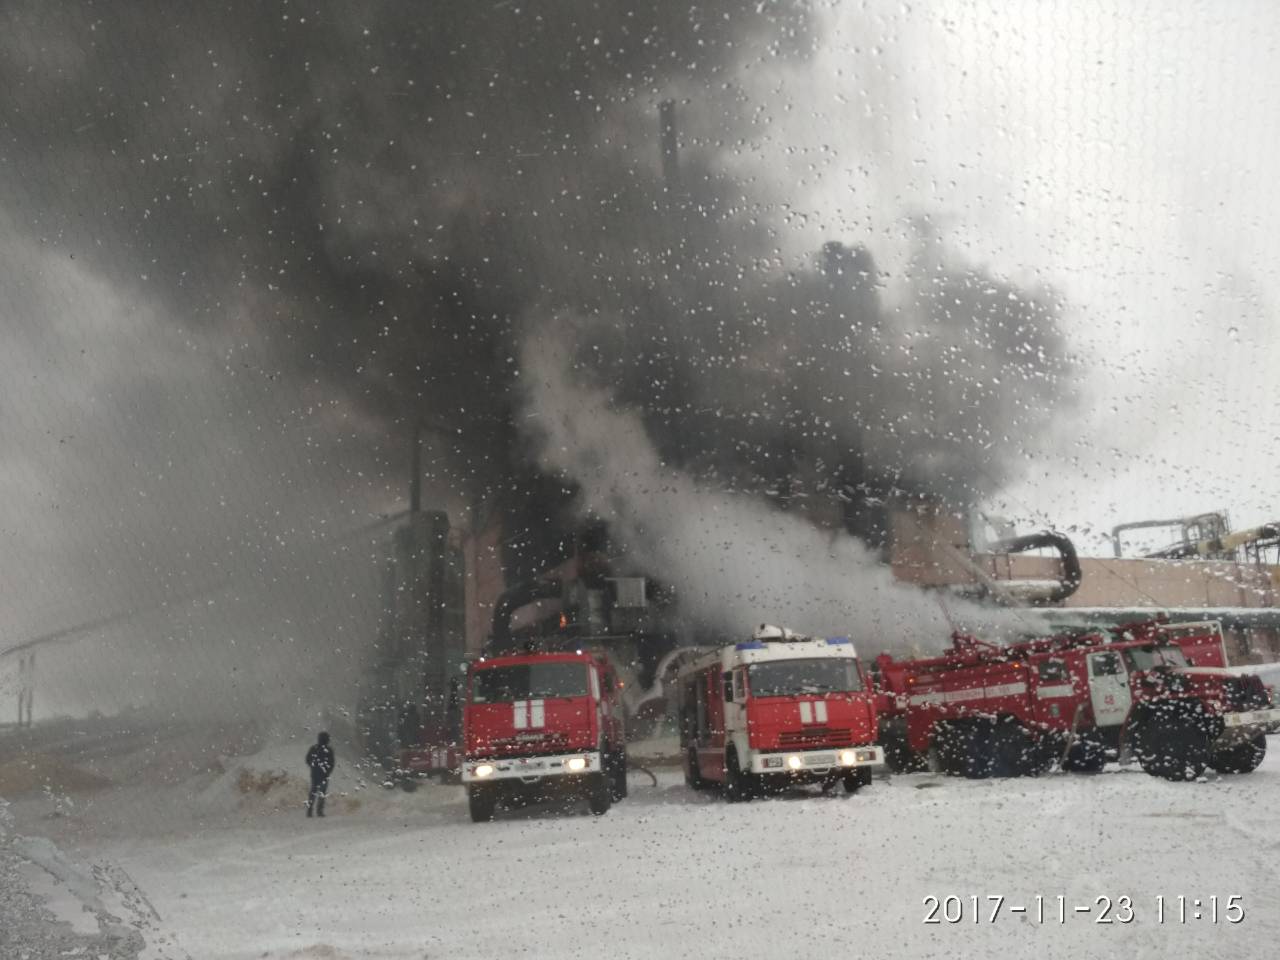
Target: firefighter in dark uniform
{"points": [[320, 760]]}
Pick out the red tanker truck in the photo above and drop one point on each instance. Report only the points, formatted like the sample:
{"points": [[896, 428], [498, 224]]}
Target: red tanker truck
{"points": [[1151, 692]]}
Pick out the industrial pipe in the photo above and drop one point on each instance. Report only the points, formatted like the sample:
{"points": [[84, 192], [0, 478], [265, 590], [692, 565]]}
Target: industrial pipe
{"points": [[1069, 582], [511, 601]]}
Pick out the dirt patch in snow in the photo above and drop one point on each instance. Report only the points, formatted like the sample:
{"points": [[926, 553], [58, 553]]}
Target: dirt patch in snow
{"points": [[319, 951], [36, 772], [260, 782]]}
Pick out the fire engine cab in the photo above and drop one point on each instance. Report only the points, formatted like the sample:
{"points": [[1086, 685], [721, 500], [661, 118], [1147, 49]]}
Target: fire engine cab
{"points": [[1150, 692], [540, 724], [779, 708]]}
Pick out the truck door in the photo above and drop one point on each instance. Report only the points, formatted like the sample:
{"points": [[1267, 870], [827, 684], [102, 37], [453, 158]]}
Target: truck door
{"points": [[711, 725], [1055, 695], [1108, 688], [735, 707]]}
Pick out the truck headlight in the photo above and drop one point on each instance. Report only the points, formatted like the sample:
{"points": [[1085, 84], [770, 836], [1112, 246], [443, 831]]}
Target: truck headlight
{"points": [[483, 770], [795, 762], [848, 758], [576, 764]]}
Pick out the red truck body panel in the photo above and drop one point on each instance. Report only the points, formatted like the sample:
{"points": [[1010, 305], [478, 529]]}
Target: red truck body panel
{"points": [[565, 724], [530, 726], [777, 723]]}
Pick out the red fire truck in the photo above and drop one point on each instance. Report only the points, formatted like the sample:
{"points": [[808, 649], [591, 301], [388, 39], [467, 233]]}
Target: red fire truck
{"points": [[1149, 691], [778, 708], [537, 725], [429, 760], [428, 745]]}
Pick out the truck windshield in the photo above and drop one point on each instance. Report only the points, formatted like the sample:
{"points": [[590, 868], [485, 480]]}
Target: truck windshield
{"points": [[529, 681], [1150, 657], [784, 678]]}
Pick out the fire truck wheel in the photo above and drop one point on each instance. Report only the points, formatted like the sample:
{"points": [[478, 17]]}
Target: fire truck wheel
{"points": [[944, 750], [898, 755], [855, 780], [739, 785], [966, 748], [599, 793], [483, 801], [980, 758], [933, 759], [1045, 754], [618, 775], [1243, 757], [1170, 746], [1085, 756], [1013, 751]]}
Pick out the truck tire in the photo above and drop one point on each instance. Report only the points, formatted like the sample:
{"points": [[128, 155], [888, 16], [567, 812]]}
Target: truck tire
{"points": [[898, 755], [933, 759], [1170, 742], [1014, 752], [854, 780], [618, 775], [966, 748], [482, 800], [739, 785], [1086, 755], [944, 750], [980, 758], [692, 775], [599, 793], [1045, 754], [1242, 757]]}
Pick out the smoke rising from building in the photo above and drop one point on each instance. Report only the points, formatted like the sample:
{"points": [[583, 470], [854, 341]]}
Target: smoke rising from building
{"points": [[380, 198], [327, 223], [732, 559]]}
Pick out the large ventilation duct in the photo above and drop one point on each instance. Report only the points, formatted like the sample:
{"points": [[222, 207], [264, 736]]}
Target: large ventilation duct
{"points": [[1072, 574], [1012, 593], [512, 600]]}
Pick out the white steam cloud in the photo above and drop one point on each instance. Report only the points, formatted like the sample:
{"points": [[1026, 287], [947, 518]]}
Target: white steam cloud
{"points": [[734, 561]]}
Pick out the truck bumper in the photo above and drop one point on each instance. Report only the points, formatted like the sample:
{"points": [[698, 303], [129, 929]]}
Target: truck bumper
{"points": [[531, 768], [1246, 724], [817, 761]]}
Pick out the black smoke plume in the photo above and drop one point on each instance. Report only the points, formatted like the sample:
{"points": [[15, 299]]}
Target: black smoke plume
{"points": [[381, 199]]}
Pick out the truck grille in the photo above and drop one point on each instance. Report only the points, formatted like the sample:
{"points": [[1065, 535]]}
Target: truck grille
{"points": [[529, 745], [1246, 693], [816, 737]]}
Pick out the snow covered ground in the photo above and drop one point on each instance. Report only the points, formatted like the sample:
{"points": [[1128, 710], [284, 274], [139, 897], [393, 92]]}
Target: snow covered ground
{"points": [[670, 873]]}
